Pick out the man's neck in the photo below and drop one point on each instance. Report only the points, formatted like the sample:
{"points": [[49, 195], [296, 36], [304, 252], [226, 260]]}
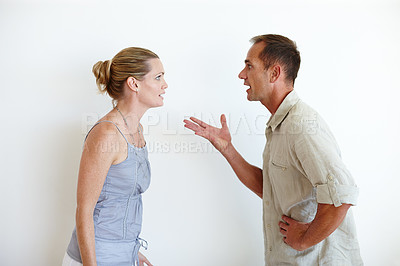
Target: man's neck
{"points": [[276, 99]]}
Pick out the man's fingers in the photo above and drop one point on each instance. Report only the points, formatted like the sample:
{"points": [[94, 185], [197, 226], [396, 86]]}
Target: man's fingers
{"points": [[287, 219], [283, 226], [198, 130], [198, 121], [283, 232], [223, 121], [192, 126]]}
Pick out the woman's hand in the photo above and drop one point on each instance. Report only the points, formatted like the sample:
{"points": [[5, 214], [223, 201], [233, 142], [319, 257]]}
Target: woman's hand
{"points": [[220, 138], [143, 260]]}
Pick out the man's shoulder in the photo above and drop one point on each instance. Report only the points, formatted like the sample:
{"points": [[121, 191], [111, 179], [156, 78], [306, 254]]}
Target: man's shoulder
{"points": [[302, 120], [302, 112]]}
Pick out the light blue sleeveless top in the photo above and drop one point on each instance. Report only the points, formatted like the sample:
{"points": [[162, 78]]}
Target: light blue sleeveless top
{"points": [[118, 212]]}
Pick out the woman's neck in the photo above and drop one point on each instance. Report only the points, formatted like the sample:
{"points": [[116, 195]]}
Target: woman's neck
{"points": [[132, 113]]}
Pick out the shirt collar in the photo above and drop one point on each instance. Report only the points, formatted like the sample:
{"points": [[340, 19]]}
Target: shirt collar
{"points": [[290, 100]]}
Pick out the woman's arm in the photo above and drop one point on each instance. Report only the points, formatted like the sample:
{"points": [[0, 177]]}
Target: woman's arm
{"points": [[97, 156]]}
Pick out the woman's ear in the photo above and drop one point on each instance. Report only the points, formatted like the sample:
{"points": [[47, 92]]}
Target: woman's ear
{"points": [[132, 84]]}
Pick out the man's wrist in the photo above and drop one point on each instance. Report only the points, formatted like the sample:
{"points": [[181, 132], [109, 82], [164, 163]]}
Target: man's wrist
{"points": [[304, 243], [229, 152]]}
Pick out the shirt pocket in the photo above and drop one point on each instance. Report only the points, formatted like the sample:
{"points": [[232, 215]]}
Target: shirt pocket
{"points": [[285, 185], [288, 185], [279, 165], [280, 178]]}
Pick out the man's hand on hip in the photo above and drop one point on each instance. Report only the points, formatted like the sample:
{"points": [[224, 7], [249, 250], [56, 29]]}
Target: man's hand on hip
{"points": [[301, 236], [293, 232]]}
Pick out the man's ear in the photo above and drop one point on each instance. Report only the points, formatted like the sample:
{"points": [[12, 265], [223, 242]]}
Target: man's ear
{"points": [[274, 73], [132, 83]]}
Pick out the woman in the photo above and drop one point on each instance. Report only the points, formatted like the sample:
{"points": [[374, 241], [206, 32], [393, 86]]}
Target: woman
{"points": [[114, 169]]}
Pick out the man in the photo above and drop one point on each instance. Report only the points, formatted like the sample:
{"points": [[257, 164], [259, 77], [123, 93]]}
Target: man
{"points": [[305, 187]]}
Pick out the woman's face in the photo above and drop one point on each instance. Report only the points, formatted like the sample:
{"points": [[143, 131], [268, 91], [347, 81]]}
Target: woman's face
{"points": [[153, 85]]}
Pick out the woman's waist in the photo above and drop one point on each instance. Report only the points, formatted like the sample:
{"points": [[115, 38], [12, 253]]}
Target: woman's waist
{"points": [[108, 197], [123, 190]]}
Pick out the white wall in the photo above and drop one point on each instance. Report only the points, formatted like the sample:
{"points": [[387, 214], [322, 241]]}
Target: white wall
{"points": [[196, 211]]}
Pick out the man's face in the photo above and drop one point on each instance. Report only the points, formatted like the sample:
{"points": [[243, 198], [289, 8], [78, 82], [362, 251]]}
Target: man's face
{"points": [[255, 75]]}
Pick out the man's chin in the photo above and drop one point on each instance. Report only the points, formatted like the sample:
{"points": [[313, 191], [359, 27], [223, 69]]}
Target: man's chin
{"points": [[250, 98]]}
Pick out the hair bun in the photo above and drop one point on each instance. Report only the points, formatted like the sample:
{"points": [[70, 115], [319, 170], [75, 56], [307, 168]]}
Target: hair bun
{"points": [[102, 72]]}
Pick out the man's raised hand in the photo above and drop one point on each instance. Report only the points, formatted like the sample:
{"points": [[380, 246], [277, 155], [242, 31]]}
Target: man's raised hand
{"points": [[220, 138]]}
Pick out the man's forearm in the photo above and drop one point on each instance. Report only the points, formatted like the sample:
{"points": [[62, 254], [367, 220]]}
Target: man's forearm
{"points": [[326, 221], [301, 236], [250, 175]]}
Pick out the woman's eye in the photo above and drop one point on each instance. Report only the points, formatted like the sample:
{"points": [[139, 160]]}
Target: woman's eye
{"points": [[158, 77]]}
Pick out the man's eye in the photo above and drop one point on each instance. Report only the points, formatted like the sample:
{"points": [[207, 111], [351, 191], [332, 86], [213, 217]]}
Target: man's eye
{"points": [[158, 77], [249, 66]]}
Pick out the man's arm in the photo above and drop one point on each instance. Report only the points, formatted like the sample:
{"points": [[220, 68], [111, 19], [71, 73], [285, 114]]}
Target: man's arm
{"points": [[250, 175], [220, 138], [301, 236]]}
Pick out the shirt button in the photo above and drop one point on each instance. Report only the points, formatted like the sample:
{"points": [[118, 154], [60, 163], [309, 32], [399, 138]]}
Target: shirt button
{"points": [[270, 248], [266, 203], [330, 177], [268, 226]]}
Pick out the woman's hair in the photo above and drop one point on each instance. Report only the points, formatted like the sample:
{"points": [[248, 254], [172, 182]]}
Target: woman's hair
{"points": [[111, 74]]}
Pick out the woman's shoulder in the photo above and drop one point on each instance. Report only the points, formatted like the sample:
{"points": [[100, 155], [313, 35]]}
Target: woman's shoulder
{"points": [[104, 130]]}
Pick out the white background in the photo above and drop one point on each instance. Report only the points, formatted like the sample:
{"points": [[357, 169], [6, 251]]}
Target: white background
{"points": [[196, 211]]}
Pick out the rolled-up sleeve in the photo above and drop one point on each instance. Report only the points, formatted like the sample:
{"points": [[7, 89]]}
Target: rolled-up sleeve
{"points": [[336, 194], [321, 162]]}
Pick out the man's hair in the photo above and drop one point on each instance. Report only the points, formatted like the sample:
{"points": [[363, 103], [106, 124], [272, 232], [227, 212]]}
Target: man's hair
{"points": [[282, 50]]}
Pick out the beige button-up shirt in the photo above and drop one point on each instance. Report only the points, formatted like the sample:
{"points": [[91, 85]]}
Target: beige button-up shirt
{"points": [[303, 167]]}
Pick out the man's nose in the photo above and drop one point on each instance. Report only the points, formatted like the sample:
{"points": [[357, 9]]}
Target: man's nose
{"points": [[241, 75]]}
